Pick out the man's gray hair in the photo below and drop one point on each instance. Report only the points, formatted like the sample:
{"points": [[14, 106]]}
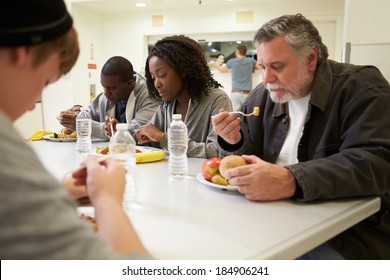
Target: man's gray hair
{"points": [[299, 33]]}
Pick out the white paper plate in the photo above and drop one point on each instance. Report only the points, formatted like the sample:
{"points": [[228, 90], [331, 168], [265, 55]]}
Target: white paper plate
{"points": [[200, 178], [86, 210], [48, 137]]}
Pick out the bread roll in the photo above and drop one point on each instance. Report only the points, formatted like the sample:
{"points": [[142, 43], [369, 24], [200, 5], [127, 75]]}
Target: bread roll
{"points": [[66, 131], [229, 162]]}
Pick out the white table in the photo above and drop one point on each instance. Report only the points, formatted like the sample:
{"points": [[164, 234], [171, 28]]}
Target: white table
{"points": [[180, 218]]}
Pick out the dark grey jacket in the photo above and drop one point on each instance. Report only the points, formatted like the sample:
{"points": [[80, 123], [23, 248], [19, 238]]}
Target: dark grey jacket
{"points": [[344, 150]]}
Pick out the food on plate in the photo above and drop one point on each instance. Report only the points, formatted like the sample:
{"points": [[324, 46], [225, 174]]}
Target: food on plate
{"points": [[229, 162], [213, 169], [106, 150], [102, 151], [140, 157], [67, 133], [90, 220], [210, 168], [218, 179], [210, 171]]}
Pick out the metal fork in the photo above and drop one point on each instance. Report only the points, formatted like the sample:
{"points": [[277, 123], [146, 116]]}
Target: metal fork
{"points": [[256, 112]]}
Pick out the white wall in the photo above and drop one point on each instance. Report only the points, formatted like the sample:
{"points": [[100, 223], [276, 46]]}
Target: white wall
{"points": [[90, 27], [368, 36], [30, 121], [127, 34], [367, 21], [75, 87]]}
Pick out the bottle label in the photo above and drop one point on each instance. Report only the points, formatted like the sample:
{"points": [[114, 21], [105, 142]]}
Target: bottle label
{"points": [[83, 128], [177, 142]]}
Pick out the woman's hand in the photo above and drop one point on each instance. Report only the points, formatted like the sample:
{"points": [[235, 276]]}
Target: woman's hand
{"points": [[148, 133]]}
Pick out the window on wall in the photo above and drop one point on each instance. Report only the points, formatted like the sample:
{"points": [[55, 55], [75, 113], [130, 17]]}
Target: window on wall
{"points": [[216, 43], [214, 49], [330, 28]]}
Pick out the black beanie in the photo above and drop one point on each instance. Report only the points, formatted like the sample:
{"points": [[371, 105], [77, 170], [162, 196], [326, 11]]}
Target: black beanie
{"points": [[30, 22]]}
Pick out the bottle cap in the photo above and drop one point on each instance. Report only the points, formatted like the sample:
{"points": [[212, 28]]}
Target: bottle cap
{"points": [[122, 126], [177, 116]]}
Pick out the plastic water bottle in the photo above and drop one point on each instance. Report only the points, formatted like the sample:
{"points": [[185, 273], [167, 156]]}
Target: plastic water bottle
{"points": [[122, 148], [84, 131], [177, 147]]}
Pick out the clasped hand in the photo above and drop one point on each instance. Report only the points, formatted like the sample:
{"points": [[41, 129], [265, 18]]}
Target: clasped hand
{"points": [[260, 180], [97, 179]]}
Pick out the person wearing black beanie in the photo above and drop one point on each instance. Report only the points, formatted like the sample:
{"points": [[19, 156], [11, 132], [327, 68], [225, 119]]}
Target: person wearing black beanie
{"points": [[26, 23], [38, 44]]}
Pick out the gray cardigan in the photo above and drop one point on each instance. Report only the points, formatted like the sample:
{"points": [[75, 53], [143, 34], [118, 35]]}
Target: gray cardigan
{"points": [[202, 140]]}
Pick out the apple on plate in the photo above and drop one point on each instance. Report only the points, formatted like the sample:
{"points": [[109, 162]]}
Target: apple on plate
{"points": [[210, 168]]}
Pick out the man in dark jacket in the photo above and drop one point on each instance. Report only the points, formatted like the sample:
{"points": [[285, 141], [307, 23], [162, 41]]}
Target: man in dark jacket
{"points": [[323, 132]]}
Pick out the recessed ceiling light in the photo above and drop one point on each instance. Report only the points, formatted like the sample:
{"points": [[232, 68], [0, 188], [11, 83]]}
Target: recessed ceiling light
{"points": [[140, 5]]}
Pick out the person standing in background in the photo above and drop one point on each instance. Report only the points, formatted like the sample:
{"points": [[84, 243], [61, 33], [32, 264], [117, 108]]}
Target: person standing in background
{"points": [[125, 99], [219, 61], [242, 68]]}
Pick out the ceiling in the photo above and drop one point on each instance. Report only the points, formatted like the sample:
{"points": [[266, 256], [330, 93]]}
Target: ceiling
{"points": [[115, 6]]}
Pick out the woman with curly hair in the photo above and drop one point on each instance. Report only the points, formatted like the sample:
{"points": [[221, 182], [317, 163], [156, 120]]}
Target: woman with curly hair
{"points": [[177, 74]]}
